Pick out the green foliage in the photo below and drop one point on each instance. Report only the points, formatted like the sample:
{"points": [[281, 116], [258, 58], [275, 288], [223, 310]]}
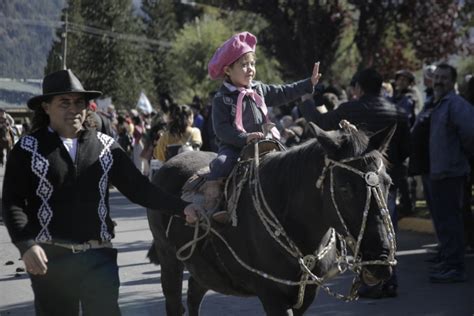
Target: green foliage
{"points": [[165, 48], [161, 23], [346, 60], [107, 50], [27, 30], [298, 33]]}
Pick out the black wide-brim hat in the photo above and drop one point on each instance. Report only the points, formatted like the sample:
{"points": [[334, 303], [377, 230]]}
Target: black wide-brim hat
{"points": [[61, 82]]}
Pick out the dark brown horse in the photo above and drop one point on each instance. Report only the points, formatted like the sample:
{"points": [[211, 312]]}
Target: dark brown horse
{"points": [[295, 217], [6, 142]]}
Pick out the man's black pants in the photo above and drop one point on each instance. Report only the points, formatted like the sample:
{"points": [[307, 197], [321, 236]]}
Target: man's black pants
{"points": [[89, 279]]}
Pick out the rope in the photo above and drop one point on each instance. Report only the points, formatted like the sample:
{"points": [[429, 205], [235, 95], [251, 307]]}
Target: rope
{"points": [[191, 245]]}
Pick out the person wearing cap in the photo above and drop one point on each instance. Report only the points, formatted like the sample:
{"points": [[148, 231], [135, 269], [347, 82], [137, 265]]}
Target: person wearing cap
{"points": [[56, 202], [406, 94], [239, 110]]}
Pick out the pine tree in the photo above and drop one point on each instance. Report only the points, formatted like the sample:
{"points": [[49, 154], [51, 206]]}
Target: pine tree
{"points": [[107, 49], [161, 24], [116, 59], [71, 31]]}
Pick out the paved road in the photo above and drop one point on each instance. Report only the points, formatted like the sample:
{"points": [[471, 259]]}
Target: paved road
{"points": [[141, 293]]}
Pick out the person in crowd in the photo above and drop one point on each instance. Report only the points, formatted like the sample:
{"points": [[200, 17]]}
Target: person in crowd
{"points": [[419, 161], [406, 94], [5, 118], [239, 111], [7, 122], [451, 141], [208, 134], [124, 134], [468, 215], [137, 134], [179, 133], [387, 90], [157, 127], [291, 134], [196, 106], [56, 202], [428, 77], [371, 112], [407, 97]]}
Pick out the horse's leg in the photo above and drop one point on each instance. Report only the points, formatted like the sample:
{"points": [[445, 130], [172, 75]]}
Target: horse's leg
{"points": [[171, 282], [274, 304], [309, 296], [195, 294]]}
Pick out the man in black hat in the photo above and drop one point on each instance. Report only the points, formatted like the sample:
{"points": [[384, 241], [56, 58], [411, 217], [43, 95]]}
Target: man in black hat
{"points": [[56, 202]]}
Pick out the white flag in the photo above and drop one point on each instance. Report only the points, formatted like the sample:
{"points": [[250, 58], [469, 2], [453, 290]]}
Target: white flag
{"points": [[144, 104]]}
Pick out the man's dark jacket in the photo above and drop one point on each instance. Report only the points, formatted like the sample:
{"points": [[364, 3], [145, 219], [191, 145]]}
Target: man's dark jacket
{"points": [[48, 196]]}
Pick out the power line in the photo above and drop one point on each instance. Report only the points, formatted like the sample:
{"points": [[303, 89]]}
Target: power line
{"points": [[89, 30]]}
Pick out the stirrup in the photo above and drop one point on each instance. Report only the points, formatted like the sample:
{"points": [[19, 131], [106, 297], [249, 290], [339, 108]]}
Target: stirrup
{"points": [[221, 217]]}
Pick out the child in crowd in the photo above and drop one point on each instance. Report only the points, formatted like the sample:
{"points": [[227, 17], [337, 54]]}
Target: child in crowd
{"points": [[180, 132], [239, 110]]}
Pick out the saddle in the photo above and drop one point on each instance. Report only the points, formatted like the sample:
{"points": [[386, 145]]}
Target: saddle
{"points": [[192, 189]]}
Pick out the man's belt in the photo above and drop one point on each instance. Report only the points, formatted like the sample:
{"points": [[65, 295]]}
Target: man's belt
{"points": [[75, 248]]}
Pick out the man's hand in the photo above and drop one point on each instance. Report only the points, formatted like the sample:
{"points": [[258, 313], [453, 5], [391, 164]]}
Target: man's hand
{"points": [[35, 260], [316, 75], [254, 136]]}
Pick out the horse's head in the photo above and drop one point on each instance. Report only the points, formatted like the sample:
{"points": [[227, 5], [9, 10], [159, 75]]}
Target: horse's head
{"points": [[354, 186]]}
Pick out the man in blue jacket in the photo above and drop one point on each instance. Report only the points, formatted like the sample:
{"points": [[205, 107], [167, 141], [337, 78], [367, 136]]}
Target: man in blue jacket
{"points": [[450, 144]]}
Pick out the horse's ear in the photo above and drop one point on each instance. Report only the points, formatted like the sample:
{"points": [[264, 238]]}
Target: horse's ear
{"points": [[323, 137], [381, 139]]}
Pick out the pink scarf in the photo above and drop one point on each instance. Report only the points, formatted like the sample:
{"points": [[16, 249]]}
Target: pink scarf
{"points": [[260, 103]]}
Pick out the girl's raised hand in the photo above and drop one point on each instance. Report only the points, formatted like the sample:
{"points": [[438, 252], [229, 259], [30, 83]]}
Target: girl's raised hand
{"points": [[316, 75]]}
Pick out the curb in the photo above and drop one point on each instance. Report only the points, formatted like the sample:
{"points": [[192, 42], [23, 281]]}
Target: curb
{"points": [[421, 225]]}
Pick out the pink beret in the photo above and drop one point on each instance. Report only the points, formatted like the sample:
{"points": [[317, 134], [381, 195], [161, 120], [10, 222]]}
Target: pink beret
{"points": [[229, 52]]}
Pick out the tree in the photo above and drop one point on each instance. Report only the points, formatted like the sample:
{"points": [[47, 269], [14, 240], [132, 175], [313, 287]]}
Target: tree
{"points": [[437, 28], [108, 49], [298, 33], [394, 34], [161, 24], [57, 54], [27, 29]]}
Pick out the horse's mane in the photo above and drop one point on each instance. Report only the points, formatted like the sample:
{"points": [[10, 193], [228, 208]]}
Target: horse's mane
{"points": [[347, 144]]}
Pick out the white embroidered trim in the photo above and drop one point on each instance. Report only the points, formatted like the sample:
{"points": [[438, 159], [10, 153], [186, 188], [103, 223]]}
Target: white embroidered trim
{"points": [[106, 161], [39, 166]]}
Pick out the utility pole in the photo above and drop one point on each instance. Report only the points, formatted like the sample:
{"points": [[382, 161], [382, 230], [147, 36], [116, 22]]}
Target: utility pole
{"points": [[64, 35]]}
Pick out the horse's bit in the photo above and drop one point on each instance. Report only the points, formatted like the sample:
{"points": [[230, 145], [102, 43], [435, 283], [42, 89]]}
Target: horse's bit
{"points": [[373, 187]]}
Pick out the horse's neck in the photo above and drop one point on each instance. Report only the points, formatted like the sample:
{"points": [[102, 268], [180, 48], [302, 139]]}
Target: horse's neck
{"points": [[289, 182]]}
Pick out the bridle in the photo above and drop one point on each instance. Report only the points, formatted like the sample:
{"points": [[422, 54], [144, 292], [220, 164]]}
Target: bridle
{"points": [[371, 179]]}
